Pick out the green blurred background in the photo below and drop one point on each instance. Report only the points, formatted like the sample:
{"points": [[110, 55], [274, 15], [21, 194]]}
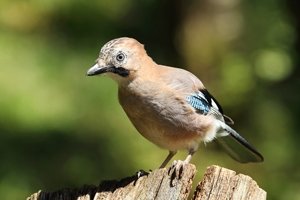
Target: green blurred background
{"points": [[60, 128]]}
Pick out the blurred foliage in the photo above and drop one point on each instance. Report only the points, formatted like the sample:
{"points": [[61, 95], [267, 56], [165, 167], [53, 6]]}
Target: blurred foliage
{"points": [[62, 129]]}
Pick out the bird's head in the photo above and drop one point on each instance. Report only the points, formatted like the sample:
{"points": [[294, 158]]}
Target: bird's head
{"points": [[120, 59]]}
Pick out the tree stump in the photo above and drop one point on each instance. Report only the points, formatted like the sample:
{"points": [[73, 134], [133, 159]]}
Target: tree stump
{"points": [[221, 183], [172, 183]]}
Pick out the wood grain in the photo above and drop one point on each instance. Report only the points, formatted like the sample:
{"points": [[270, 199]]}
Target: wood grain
{"points": [[173, 183]]}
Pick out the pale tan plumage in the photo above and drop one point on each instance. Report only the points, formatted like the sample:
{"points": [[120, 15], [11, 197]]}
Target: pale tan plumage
{"points": [[175, 124], [157, 100]]}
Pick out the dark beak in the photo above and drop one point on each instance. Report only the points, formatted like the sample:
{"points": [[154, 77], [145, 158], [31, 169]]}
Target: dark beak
{"points": [[96, 69]]}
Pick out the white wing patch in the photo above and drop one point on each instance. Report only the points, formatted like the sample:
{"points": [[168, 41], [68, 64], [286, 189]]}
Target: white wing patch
{"points": [[213, 104]]}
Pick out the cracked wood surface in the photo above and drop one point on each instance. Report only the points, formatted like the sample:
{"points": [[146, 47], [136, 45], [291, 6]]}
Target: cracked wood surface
{"points": [[171, 183], [221, 183]]}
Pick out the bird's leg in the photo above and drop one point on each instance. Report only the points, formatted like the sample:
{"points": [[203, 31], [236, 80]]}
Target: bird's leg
{"points": [[187, 160], [168, 158], [189, 157]]}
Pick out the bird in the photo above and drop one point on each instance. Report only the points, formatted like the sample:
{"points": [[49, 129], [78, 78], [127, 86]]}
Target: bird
{"points": [[168, 106]]}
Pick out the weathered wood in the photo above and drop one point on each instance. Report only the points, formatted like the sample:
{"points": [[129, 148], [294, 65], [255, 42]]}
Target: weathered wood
{"points": [[221, 183], [171, 183], [159, 184]]}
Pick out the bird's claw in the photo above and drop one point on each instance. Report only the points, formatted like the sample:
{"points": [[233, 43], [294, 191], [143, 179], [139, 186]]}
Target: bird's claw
{"points": [[175, 171]]}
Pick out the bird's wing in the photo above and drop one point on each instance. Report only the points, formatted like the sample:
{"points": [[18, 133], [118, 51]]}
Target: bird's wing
{"points": [[234, 144], [188, 85], [206, 104]]}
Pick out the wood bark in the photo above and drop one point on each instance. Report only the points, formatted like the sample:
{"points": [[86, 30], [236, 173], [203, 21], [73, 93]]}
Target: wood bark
{"points": [[167, 184]]}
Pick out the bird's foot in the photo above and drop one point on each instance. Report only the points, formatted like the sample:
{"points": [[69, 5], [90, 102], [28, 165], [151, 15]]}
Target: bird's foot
{"points": [[175, 171]]}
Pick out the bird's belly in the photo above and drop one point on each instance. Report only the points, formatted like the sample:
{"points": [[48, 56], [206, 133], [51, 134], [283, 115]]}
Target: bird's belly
{"points": [[168, 136], [163, 117], [167, 128]]}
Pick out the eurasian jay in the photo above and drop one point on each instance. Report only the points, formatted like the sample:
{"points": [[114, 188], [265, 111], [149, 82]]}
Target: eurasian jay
{"points": [[168, 106]]}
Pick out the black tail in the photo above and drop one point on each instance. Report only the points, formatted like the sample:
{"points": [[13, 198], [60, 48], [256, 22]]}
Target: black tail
{"points": [[238, 147]]}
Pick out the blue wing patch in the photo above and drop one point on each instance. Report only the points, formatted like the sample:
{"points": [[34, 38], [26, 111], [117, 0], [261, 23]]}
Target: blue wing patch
{"points": [[204, 103], [199, 103]]}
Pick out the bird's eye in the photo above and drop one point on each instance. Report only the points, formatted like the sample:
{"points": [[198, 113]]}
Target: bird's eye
{"points": [[120, 57]]}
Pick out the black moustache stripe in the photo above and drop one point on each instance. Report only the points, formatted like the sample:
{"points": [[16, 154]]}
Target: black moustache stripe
{"points": [[119, 70]]}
